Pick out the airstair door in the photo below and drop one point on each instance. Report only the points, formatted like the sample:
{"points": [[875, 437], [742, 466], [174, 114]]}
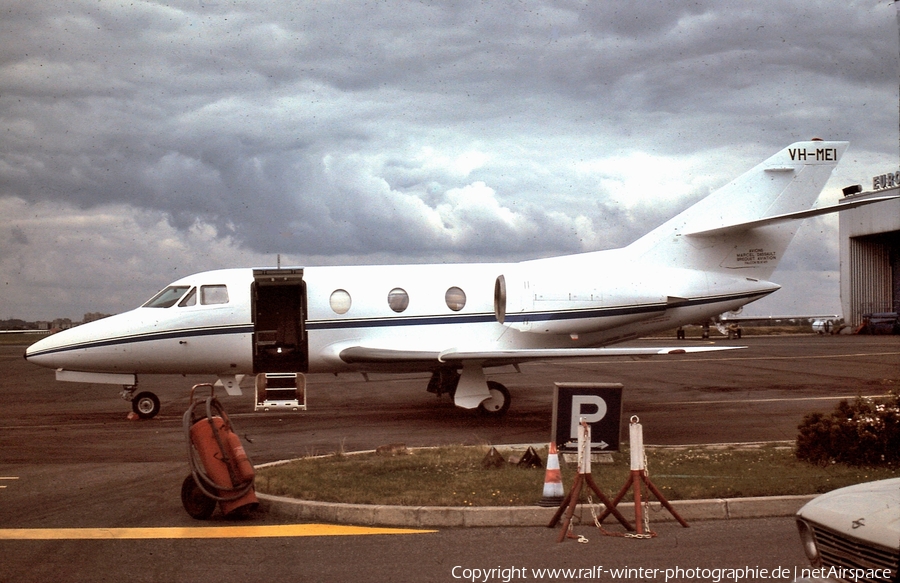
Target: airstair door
{"points": [[279, 309]]}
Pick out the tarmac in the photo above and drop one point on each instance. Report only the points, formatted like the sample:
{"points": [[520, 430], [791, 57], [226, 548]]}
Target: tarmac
{"points": [[69, 460]]}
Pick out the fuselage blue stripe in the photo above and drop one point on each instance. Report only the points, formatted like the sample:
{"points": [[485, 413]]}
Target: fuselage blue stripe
{"points": [[150, 337], [546, 316], [395, 321]]}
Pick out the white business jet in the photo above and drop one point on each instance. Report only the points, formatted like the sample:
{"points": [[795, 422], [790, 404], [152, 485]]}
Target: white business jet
{"points": [[456, 320]]}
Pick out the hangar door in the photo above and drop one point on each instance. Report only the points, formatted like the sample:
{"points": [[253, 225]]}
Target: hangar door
{"points": [[874, 275], [279, 312]]}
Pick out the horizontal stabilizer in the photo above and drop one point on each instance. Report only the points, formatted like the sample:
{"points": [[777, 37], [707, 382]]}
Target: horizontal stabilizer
{"points": [[740, 227]]}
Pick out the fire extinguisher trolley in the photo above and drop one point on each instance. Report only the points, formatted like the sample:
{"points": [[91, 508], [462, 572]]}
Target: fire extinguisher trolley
{"points": [[221, 473]]}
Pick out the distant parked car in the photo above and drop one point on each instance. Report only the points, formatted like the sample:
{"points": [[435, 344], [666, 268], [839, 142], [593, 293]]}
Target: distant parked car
{"points": [[853, 533]]}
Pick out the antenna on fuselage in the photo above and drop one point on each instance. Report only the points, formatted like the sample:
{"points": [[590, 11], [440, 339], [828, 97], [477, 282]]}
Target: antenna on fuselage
{"points": [[279, 261]]}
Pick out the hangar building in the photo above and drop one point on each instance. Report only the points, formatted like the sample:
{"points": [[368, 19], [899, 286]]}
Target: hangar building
{"points": [[870, 251]]}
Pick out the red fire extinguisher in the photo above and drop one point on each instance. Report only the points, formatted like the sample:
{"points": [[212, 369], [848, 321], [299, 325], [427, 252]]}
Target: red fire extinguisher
{"points": [[221, 472]]}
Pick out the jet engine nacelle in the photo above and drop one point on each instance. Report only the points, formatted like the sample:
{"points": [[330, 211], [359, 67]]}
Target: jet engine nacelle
{"points": [[568, 306]]}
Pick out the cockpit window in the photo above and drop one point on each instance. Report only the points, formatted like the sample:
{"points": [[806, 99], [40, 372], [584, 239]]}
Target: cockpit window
{"points": [[167, 297], [213, 294], [189, 300]]}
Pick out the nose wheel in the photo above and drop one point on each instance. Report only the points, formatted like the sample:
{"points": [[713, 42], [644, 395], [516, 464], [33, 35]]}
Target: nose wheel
{"points": [[145, 404]]}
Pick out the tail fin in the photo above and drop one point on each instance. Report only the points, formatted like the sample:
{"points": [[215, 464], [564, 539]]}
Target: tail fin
{"points": [[747, 224]]}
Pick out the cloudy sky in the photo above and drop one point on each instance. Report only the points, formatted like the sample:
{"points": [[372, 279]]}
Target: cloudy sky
{"points": [[142, 141]]}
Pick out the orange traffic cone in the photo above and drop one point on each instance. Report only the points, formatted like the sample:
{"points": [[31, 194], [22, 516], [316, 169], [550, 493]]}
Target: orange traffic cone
{"points": [[553, 487]]}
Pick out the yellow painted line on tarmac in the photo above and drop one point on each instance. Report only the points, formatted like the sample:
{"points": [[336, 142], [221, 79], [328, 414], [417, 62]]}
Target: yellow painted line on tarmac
{"points": [[264, 531]]}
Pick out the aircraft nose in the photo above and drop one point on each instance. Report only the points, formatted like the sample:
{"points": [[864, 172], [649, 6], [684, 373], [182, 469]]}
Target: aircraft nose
{"points": [[92, 347], [29, 351], [38, 353], [62, 349]]}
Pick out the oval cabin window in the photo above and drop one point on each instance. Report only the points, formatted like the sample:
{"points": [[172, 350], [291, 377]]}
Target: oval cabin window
{"points": [[455, 298], [398, 299], [340, 301]]}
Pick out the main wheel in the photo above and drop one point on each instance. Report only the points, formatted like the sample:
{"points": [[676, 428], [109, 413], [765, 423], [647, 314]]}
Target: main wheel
{"points": [[498, 403], [195, 502], [145, 404]]}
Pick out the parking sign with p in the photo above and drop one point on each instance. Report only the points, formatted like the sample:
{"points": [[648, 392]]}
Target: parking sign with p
{"points": [[599, 404]]}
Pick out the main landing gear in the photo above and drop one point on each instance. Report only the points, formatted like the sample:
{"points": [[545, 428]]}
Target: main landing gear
{"points": [[498, 403], [145, 404], [446, 381]]}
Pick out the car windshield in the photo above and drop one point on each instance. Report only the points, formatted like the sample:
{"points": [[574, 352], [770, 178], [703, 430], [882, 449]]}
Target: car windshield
{"points": [[167, 297]]}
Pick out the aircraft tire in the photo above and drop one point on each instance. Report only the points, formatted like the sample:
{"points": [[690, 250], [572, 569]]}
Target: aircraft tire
{"points": [[195, 502], [145, 405], [498, 403]]}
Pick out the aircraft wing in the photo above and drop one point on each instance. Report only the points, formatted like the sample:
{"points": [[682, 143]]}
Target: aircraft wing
{"points": [[387, 357]]}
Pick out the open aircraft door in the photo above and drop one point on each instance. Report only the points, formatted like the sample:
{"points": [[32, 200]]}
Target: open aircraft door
{"points": [[280, 343]]}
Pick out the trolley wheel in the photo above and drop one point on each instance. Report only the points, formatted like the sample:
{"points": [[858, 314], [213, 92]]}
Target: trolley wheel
{"points": [[498, 403], [195, 502], [145, 404]]}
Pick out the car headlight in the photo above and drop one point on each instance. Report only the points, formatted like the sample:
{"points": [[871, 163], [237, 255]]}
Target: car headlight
{"points": [[808, 539]]}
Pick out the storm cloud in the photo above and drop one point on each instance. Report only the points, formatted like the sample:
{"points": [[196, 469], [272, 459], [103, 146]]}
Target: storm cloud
{"points": [[146, 140]]}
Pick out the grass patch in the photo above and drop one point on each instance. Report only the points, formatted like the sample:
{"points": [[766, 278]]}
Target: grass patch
{"points": [[453, 476]]}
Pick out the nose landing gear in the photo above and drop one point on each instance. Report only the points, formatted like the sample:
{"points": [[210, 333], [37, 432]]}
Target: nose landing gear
{"points": [[145, 404]]}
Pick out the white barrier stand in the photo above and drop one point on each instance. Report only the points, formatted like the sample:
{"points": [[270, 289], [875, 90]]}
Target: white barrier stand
{"points": [[584, 476], [584, 447], [639, 474]]}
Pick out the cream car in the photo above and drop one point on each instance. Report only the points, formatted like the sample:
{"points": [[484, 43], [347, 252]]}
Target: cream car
{"points": [[852, 534]]}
